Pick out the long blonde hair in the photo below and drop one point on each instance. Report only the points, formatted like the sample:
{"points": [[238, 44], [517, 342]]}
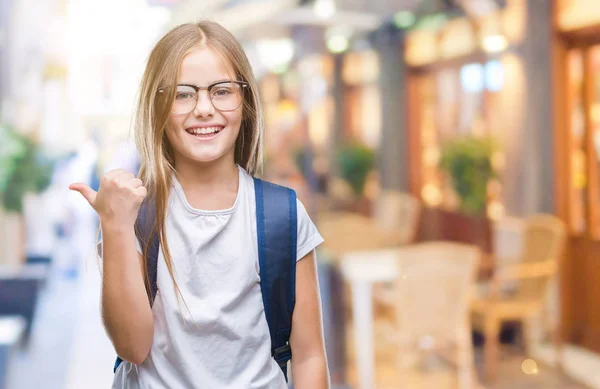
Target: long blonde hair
{"points": [[153, 110]]}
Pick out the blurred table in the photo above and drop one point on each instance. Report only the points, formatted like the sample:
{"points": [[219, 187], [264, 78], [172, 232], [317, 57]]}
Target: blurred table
{"points": [[20, 287], [361, 270]]}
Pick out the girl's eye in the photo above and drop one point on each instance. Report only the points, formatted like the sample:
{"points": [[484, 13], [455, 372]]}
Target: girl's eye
{"points": [[184, 96], [221, 92]]}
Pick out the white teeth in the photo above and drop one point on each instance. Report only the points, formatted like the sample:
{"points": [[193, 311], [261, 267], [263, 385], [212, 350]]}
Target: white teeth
{"points": [[205, 130]]}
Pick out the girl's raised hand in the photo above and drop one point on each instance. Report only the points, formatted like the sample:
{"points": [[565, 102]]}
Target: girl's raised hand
{"points": [[118, 200]]}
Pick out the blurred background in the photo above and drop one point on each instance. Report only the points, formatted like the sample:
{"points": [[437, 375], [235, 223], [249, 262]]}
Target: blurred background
{"points": [[448, 151]]}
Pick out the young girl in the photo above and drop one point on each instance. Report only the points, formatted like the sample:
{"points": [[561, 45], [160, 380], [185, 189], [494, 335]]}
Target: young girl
{"points": [[198, 129]]}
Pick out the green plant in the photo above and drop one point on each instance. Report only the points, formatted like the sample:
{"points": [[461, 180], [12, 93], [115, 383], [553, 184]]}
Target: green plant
{"points": [[23, 168], [468, 162], [355, 161], [10, 150]]}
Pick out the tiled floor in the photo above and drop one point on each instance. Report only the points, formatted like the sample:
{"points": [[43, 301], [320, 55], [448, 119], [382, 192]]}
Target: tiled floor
{"points": [[511, 375], [443, 377], [44, 362], [69, 350], [581, 364], [440, 375]]}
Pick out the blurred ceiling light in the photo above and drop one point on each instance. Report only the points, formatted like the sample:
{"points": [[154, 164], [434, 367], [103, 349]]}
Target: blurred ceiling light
{"points": [[360, 21], [337, 44], [404, 19], [237, 16], [495, 43], [494, 75], [472, 78], [276, 54], [338, 38], [324, 9]]}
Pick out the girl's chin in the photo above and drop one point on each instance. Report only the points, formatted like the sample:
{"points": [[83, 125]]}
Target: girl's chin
{"points": [[205, 157]]}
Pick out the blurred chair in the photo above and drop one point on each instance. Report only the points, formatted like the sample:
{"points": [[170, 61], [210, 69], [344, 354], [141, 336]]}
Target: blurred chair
{"points": [[431, 299], [508, 240], [345, 232], [398, 213], [528, 279], [507, 244]]}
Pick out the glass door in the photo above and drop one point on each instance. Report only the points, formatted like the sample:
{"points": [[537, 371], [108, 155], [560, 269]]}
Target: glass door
{"points": [[584, 140]]}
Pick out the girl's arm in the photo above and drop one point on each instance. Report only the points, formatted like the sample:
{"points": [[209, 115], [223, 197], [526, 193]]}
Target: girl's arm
{"points": [[309, 363], [125, 307], [126, 311]]}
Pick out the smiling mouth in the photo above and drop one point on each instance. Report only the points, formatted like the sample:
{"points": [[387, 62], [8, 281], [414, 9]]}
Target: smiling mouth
{"points": [[204, 132]]}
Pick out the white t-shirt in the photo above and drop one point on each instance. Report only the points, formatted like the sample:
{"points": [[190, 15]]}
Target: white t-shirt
{"points": [[225, 343]]}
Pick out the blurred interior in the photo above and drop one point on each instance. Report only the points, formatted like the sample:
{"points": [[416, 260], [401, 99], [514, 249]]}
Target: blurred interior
{"points": [[448, 151]]}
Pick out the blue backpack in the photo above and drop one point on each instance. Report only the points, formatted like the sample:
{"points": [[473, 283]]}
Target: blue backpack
{"points": [[276, 226]]}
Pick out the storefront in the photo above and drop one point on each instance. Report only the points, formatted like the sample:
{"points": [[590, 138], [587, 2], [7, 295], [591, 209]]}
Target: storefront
{"points": [[361, 98], [577, 133], [465, 78], [299, 115]]}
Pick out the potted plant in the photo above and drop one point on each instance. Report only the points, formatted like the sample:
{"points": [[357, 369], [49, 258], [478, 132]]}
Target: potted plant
{"points": [[355, 162], [24, 169], [468, 163]]}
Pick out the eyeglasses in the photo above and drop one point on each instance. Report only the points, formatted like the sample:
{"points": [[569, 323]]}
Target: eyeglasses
{"points": [[224, 96]]}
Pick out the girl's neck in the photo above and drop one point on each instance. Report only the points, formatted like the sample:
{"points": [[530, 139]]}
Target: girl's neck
{"points": [[211, 186], [217, 173]]}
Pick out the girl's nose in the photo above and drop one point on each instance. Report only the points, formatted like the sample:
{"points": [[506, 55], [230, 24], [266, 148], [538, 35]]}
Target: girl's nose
{"points": [[204, 106]]}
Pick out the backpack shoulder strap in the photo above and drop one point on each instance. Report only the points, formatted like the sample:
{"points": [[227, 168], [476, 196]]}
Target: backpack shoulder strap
{"points": [[276, 227], [146, 235]]}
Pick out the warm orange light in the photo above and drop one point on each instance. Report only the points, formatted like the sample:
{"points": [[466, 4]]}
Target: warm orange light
{"points": [[495, 43]]}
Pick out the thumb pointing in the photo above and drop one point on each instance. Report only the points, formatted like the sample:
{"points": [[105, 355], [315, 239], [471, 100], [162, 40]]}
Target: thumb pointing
{"points": [[86, 191]]}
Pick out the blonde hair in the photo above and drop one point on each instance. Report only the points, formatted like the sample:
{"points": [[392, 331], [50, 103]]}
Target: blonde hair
{"points": [[153, 110]]}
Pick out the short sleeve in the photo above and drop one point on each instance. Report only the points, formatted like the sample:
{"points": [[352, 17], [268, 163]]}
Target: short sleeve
{"points": [[308, 235]]}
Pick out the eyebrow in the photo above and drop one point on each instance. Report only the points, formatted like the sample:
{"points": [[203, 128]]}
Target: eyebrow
{"points": [[214, 82]]}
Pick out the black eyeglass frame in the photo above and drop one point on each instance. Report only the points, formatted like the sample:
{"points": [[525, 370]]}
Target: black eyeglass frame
{"points": [[208, 88]]}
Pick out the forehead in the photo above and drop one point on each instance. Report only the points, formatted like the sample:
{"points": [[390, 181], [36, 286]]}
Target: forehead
{"points": [[203, 66]]}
